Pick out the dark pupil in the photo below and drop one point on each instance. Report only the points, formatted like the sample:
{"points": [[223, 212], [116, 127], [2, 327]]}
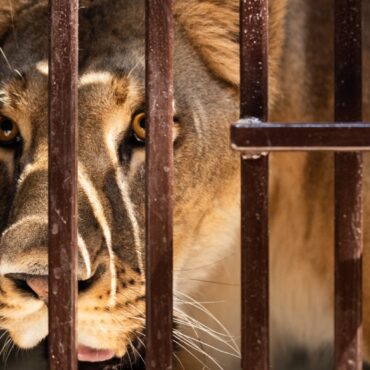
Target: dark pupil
{"points": [[142, 123], [7, 125]]}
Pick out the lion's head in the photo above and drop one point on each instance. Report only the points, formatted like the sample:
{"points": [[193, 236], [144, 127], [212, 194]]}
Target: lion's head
{"points": [[111, 162]]}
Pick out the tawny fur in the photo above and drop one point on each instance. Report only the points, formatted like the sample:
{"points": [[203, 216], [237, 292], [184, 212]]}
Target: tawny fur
{"points": [[206, 232]]}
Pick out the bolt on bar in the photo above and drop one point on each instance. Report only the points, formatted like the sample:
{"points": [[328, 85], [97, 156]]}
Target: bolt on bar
{"points": [[63, 66], [159, 170], [254, 201], [348, 189]]}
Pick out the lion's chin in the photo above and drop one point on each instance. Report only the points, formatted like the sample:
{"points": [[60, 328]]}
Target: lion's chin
{"points": [[26, 337]]}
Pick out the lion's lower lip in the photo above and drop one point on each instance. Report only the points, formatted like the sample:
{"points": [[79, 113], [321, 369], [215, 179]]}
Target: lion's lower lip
{"points": [[88, 354]]}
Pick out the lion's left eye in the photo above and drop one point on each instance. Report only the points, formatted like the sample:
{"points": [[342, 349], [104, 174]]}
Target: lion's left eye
{"points": [[138, 126], [139, 129], [9, 132]]}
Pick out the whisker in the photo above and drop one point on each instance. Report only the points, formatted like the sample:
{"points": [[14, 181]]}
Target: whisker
{"points": [[210, 282], [178, 333], [129, 358], [179, 361], [190, 323], [5, 346], [191, 354], [11, 347], [178, 300], [6, 59], [204, 266], [207, 312], [199, 350], [135, 350], [200, 325]]}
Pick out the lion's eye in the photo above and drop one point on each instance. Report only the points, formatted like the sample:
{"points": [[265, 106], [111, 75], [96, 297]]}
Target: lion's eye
{"points": [[138, 126], [9, 131]]}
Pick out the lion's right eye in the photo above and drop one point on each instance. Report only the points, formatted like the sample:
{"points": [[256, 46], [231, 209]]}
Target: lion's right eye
{"points": [[9, 132], [138, 126]]}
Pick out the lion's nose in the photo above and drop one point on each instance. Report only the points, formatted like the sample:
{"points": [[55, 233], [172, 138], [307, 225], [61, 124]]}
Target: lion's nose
{"points": [[40, 286], [37, 285]]}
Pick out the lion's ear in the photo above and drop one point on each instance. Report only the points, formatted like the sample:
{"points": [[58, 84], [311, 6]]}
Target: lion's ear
{"points": [[8, 10], [213, 28]]}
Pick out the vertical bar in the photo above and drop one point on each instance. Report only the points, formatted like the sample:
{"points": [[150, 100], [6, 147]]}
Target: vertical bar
{"points": [[63, 65], [255, 292], [159, 169], [348, 189], [254, 103]]}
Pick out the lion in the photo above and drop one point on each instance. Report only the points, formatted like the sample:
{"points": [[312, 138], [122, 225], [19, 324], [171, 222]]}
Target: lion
{"points": [[111, 192]]}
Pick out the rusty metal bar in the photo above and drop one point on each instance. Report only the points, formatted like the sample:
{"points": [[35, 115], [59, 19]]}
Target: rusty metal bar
{"points": [[159, 170], [254, 178], [63, 66], [248, 135], [348, 189]]}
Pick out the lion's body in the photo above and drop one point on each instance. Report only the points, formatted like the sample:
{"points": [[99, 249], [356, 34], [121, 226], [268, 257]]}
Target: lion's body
{"points": [[207, 209], [302, 189]]}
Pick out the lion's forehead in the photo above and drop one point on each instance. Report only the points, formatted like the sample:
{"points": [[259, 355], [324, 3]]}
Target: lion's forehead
{"points": [[120, 24]]}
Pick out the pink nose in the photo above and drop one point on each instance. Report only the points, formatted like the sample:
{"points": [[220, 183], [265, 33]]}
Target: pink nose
{"points": [[40, 286]]}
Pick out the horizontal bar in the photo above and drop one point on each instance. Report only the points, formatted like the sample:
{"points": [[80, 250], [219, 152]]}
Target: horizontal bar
{"points": [[251, 135], [63, 184]]}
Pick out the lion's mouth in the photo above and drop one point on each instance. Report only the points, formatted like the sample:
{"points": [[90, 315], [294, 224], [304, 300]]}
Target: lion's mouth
{"points": [[105, 359], [88, 354]]}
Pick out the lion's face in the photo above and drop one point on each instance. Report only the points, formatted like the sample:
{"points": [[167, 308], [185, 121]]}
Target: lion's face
{"points": [[111, 304]]}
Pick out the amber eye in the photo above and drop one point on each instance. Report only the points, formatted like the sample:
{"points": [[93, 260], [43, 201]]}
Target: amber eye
{"points": [[8, 131], [138, 125]]}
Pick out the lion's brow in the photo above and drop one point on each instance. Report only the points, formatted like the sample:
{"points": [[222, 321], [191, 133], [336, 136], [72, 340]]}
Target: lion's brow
{"points": [[12, 88]]}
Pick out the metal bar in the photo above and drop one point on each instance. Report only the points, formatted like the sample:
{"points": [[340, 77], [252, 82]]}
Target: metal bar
{"points": [[254, 103], [248, 135], [255, 292], [159, 170], [63, 66], [348, 189]]}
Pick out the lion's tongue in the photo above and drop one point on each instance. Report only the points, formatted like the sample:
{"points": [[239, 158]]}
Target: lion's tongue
{"points": [[88, 354]]}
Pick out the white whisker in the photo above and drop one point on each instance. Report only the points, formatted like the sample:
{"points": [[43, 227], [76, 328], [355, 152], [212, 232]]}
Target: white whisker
{"points": [[191, 353], [213, 317], [192, 345], [179, 361], [202, 327], [204, 343], [203, 266], [196, 326], [6, 59]]}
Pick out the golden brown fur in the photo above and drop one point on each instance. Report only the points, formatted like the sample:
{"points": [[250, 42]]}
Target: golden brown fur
{"points": [[206, 234]]}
